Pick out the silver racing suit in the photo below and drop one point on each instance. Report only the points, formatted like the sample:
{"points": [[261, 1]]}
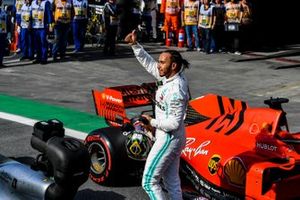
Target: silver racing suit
{"points": [[171, 102]]}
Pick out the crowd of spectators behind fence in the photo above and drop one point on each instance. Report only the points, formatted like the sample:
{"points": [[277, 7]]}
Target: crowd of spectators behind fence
{"points": [[44, 26]]}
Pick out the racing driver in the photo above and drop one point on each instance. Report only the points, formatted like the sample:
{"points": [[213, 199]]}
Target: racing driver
{"points": [[171, 102]]}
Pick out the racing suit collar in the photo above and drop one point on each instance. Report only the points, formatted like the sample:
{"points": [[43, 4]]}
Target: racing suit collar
{"points": [[172, 78]]}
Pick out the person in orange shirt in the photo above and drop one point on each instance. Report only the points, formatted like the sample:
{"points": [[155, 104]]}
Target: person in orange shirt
{"points": [[62, 23], [172, 13]]}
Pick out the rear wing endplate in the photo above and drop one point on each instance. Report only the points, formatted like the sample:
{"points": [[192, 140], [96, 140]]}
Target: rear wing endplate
{"points": [[111, 103]]}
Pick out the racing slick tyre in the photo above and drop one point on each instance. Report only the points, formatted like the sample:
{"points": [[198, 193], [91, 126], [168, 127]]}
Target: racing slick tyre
{"points": [[108, 155]]}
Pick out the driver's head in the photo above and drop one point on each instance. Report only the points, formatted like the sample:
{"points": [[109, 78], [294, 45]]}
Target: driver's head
{"points": [[170, 62]]}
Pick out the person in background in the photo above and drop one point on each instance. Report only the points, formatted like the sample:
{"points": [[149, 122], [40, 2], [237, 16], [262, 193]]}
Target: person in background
{"points": [[233, 19], [62, 24], [190, 13], [41, 23], [146, 7], [136, 14], [154, 10], [5, 34], [26, 36], [18, 6], [111, 22], [246, 25], [124, 7], [50, 34], [218, 29], [80, 21], [172, 14], [206, 21], [172, 98]]}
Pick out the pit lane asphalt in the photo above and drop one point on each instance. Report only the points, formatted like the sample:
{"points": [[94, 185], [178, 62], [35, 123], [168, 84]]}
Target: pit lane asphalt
{"points": [[68, 84]]}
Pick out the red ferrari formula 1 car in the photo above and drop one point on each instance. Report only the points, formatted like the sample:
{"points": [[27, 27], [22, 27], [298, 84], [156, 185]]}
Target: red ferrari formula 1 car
{"points": [[232, 151]]}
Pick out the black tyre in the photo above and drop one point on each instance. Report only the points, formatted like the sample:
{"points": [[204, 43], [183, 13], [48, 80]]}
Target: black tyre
{"points": [[107, 151], [101, 162]]}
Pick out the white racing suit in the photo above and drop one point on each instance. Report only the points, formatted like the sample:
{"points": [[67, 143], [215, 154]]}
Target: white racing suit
{"points": [[171, 103]]}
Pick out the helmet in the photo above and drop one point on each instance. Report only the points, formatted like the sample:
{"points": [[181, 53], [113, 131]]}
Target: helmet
{"points": [[138, 144]]}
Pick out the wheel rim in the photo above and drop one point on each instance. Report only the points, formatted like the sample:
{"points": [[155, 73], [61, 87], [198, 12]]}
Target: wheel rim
{"points": [[98, 158]]}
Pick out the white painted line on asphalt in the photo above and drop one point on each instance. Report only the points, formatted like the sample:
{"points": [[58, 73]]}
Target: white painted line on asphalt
{"points": [[30, 122]]}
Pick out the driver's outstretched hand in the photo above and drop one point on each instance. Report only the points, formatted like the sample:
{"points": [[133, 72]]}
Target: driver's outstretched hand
{"points": [[131, 38]]}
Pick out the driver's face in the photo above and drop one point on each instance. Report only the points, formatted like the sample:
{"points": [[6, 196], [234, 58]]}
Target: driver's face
{"points": [[164, 65]]}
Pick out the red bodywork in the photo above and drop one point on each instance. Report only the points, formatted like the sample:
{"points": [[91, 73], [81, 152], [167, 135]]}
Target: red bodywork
{"points": [[231, 146]]}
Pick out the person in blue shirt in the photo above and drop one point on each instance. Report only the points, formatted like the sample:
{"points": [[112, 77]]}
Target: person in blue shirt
{"points": [[26, 36], [80, 20]]}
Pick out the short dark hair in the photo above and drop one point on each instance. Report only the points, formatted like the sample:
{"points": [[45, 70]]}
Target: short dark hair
{"points": [[177, 58]]}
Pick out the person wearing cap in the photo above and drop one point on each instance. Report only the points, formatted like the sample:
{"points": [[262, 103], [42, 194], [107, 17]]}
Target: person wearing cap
{"points": [[41, 23], [26, 36], [5, 34], [80, 20], [171, 102]]}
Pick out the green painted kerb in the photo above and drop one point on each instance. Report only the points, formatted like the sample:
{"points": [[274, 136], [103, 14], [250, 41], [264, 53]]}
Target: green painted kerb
{"points": [[72, 119]]}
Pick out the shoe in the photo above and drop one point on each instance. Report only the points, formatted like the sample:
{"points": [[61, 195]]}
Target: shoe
{"points": [[189, 49], [222, 50], [44, 62], [23, 58], [75, 51], [198, 49], [237, 53], [36, 62]]}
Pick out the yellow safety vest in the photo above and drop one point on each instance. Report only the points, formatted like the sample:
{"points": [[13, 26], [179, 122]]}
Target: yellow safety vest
{"points": [[19, 4], [191, 9], [62, 11], [233, 12]]}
